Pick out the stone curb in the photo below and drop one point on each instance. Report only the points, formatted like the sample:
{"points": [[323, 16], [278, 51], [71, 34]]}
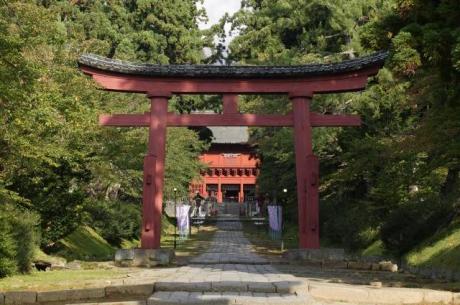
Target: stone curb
{"points": [[385, 295], [45, 297], [20, 297], [70, 295], [233, 286]]}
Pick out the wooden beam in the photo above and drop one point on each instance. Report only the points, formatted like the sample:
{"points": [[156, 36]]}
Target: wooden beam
{"points": [[230, 103], [229, 120], [261, 120], [346, 82]]}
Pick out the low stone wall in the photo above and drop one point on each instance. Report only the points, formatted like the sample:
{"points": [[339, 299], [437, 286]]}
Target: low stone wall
{"points": [[47, 297], [315, 255], [433, 272], [337, 258], [144, 257]]}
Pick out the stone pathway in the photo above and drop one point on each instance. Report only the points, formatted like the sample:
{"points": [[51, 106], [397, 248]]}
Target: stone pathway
{"points": [[230, 272], [229, 246]]}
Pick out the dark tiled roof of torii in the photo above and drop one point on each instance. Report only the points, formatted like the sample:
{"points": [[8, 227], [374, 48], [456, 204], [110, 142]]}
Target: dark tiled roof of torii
{"points": [[215, 71]]}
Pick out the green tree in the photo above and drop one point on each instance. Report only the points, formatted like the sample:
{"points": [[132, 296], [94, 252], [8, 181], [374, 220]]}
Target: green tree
{"points": [[404, 159], [54, 157]]}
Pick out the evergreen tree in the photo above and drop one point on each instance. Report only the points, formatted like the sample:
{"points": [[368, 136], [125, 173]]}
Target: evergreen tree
{"points": [[403, 160], [55, 159]]}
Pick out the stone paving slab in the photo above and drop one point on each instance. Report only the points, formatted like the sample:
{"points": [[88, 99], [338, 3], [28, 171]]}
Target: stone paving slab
{"points": [[229, 245], [161, 298]]}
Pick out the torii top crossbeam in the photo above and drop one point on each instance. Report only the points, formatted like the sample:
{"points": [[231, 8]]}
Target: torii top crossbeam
{"points": [[300, 83]]}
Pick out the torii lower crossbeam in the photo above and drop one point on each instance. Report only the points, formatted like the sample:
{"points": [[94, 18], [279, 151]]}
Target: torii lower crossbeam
{"points": [[254, 120]]}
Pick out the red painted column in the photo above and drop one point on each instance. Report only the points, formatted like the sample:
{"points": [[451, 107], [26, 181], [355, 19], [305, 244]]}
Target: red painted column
{"points": [[306, 173], [154, 162], [219, 191]]}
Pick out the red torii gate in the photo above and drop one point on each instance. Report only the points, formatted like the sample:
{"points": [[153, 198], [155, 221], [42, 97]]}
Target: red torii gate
{"points": [[300, 83]]}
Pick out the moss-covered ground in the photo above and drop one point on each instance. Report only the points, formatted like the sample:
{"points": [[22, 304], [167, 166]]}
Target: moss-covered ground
{"points": [[85, 244], [442, 250]]}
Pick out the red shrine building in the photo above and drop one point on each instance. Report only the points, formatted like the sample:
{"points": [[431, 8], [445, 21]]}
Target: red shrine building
{"points": [[232, 167]]}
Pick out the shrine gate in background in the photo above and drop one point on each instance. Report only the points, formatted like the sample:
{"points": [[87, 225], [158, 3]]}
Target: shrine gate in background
{"points": [[300, 83]]}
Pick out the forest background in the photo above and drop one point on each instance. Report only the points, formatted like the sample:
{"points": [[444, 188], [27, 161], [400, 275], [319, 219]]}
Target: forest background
{"points": [[386, 188]]}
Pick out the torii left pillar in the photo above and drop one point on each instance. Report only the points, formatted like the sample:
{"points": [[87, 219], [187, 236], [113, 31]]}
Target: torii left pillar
{"points": [[307, 173], [154, 163]]}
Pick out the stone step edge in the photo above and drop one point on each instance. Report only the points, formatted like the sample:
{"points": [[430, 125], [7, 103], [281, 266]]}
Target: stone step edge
{"points": [[178, 297], [230, 262], [323, 291], [285, 287]]}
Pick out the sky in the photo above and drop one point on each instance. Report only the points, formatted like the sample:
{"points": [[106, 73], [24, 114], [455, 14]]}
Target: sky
{"points": [[217, 8]]}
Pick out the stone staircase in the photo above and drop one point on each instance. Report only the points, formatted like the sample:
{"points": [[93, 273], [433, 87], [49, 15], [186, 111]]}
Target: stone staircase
{"points": [[230, 272], [230, 292]]}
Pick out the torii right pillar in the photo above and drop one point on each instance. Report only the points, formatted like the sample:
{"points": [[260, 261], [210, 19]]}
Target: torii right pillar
{"points": [[307, 172]]}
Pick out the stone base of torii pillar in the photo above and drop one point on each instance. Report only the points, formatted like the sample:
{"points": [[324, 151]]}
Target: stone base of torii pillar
{"points": [[144, 257]]}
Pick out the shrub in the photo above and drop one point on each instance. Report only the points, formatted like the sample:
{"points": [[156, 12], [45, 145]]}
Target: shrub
{"points": [[7, 246], [114, 221], [26, 239], [412, 222], [18, 240]]}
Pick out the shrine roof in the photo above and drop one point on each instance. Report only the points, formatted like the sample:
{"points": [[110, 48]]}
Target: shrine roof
{"points": [[232, 71], [230, 135]]}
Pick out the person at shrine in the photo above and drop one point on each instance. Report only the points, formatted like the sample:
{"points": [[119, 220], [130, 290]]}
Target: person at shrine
{"points": [[212, 204], [198, 199]]}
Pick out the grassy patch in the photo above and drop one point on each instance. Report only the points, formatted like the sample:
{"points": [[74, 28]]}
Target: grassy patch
{"points": [[85, 244], [374, 249], [129, 244], [60, 279], [442, 250]]}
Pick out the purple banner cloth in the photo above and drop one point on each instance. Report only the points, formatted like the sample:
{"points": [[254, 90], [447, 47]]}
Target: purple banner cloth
{"points": [[275, 217], [182, 219]]}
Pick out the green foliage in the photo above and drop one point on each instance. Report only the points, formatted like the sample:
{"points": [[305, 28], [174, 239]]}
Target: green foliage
{"points": [[26, 238], [442, 250], [55, 159], [18, 239], [423, 214], [7, 246], [115, 221], [85, 244], [403, 163]]}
